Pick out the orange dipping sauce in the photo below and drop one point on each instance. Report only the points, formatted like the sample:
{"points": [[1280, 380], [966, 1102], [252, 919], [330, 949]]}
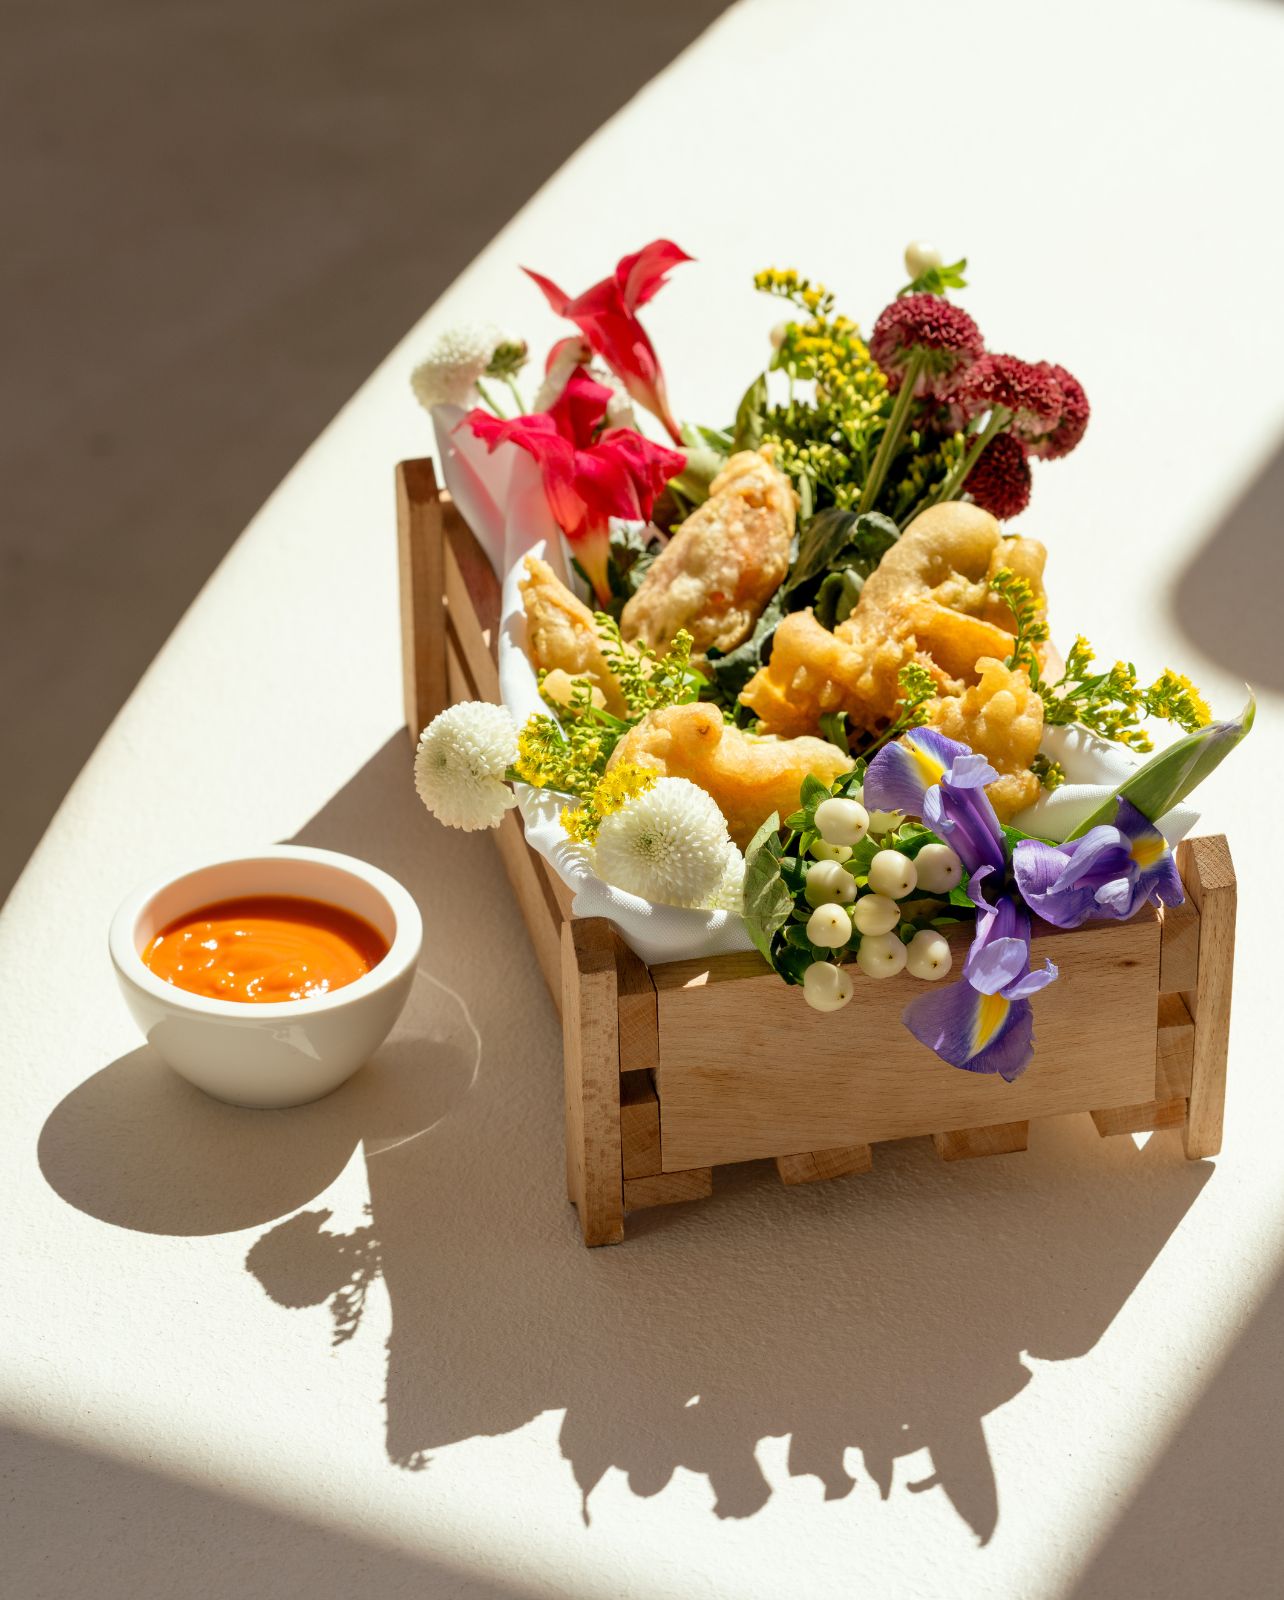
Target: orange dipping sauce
{"points": [[262, 949]]}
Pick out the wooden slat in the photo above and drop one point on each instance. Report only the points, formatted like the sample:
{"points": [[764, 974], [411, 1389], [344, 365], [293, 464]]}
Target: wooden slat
{"points": [[639, 1126], [594, 1178], [1150, 1117], [964, 1144], [1209, 877], [1178, 948], [747, 1069], [563, 894], [639, 1030], [421, 572], [1174, 1049], [473, 600], [1166, 1107], [814, 1166], [524, 866], [668, 1188]]}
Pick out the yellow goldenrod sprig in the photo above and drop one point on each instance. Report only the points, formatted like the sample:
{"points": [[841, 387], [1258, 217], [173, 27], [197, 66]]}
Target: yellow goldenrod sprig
{"points": [[1027, 612], [611, 793], [1114, 704]]}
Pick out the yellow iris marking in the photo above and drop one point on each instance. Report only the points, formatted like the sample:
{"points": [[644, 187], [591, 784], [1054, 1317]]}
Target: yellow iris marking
{"points": [[1149, 849], [991, 1009], [930, 769]]}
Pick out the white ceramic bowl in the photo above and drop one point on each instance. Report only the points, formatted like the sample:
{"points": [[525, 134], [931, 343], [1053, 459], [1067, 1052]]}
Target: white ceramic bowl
{"points": [[291, 1051]]}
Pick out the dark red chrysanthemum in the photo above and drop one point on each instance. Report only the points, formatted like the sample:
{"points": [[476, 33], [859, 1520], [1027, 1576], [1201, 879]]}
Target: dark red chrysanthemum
{"points": [[1075, 411], [944, 332], [1029, 392], [1000, 480]]}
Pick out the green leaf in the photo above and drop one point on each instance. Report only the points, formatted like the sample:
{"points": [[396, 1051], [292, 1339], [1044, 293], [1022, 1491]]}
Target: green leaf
{"points": [[837, 596], [936, 280], [732, 671], [768, 901], [833, 724], [1168, 777], [838, 541], [813, 792], [960, 897], [862, 854], [750, 416]]}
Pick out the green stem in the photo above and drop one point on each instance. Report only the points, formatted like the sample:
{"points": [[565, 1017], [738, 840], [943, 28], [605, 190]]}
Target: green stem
{"points": [[890, 442], [1000, 416], [516, 394], [488, 399]]}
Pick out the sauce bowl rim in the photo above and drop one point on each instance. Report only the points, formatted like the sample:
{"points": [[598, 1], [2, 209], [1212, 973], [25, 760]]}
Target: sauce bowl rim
{"points": [[403, 951]]}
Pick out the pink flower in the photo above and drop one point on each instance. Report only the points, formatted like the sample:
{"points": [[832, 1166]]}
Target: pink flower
{"points": [[1074, 416], [1029, 392], [588, 476], [605, 315], [947, 337], [999, 482]]}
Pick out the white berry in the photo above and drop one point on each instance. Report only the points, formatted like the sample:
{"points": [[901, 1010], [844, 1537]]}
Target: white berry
{"points": [[826, 987], [875, 913], [829, 926], [829, 884], [920, 255], [842, 821], [830, 852], [892, 874], [928, 955], [881, 955], [939, 869]]}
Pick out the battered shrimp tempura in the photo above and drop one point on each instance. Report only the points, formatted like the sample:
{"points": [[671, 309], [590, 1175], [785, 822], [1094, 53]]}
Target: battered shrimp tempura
{"points": [[562, 634], [749, 777], [716, 575]]}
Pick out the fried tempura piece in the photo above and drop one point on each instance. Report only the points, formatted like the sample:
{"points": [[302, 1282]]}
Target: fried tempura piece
{"points": [[749, 777], [928, 601], [562, 634], [1001, 718], [724, 563], [813, 672]]}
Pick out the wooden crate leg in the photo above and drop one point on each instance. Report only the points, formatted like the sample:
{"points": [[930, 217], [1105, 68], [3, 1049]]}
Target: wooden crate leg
{"points": [[668, 1188], [422, 572], [812, 1166], [1209, 877], [590, 1032], [1001, 1139]]}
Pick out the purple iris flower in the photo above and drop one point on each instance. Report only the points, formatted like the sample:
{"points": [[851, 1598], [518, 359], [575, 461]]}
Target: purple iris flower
{"points": [[1109, 873], [984, 1023], [942, 781]]}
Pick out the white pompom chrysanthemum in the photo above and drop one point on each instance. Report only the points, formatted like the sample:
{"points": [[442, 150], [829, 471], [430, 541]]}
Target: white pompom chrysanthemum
{"points": [[668, 845], [730, 893], [448, 375], [460, 765]]}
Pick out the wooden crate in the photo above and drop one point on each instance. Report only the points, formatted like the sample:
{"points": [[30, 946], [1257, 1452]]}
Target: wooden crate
{"points": [[673, 1070]]}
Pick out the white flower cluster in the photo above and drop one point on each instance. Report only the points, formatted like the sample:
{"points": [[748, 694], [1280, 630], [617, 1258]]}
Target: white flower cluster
{"points": [[670, 845], [456, 359], [460, 764]]}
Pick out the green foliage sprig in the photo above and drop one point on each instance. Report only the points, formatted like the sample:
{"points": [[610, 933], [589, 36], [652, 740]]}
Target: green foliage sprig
{"points": [[568, 751], [1114, 704], [1031, 629]]}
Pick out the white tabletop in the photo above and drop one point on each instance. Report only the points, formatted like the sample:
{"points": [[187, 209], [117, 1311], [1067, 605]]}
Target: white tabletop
{"points": [[1047, 1375]]}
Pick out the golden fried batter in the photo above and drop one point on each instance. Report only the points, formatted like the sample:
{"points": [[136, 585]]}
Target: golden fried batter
{"points": [[813, 672], [1001, 718], [749, 777], [562, 634], [724, 563], [929, 601]]}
